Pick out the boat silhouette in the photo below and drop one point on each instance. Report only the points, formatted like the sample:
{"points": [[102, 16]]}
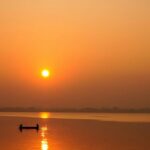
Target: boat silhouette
{"points": [[21, 127]]}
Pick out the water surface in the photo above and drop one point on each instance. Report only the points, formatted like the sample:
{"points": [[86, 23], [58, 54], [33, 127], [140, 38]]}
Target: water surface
{"points": [[75, 131], [113, 117]]}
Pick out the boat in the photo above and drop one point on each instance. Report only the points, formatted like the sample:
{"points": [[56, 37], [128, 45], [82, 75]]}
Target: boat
{"points": [[21, 127]]}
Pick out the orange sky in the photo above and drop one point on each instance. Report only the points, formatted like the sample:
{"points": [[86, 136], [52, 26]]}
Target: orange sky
{"points": [[98, 53]]}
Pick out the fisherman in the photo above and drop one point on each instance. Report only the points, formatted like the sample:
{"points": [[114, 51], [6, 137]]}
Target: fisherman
{"points": [[20, 127]]}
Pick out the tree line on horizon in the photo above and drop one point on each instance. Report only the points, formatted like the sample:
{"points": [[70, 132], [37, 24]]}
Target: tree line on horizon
{"points": [[86, 109]]}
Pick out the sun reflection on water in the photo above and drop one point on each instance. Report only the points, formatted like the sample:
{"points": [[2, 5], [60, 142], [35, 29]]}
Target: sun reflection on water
{"points": [[44, 141], [44, 115]]}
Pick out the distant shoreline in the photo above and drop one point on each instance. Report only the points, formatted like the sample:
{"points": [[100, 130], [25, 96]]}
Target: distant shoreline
{"points": [[76, 110]]}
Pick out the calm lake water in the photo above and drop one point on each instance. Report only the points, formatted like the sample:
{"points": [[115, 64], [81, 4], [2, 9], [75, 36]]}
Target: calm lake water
{"points": [[75, 131]]}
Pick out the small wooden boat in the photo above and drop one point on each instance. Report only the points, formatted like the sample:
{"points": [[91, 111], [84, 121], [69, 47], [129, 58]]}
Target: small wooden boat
{"points": [[21, 127]]}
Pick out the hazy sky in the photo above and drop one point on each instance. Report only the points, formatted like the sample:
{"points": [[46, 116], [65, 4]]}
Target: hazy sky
{"points": [[98, 52]]}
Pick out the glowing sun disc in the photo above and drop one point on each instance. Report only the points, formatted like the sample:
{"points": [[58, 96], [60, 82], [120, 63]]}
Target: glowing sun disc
{"points": [[45, 73]]}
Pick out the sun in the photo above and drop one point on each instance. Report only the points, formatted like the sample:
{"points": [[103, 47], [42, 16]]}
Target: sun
{"points": [[45, 73]]}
